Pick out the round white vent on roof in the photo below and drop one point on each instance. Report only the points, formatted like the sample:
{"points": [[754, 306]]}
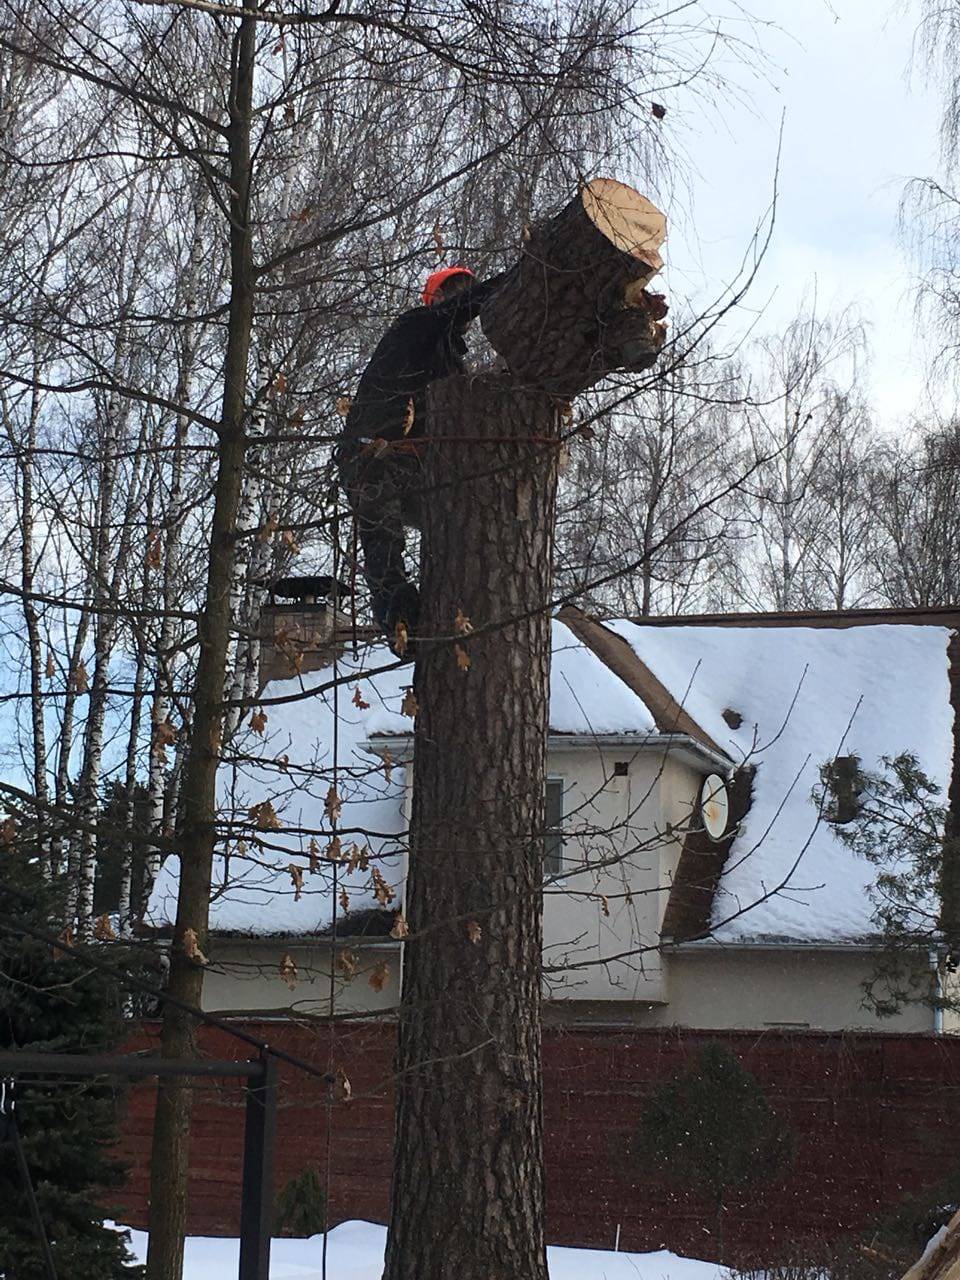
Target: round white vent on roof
{"points": [[714, 806]]}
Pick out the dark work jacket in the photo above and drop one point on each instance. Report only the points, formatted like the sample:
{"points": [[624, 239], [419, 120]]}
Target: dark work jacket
{"points": [[420, 346]]}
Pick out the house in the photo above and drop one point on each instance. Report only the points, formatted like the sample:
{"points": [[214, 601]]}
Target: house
{"points": [[694, 894], [691, 877]]}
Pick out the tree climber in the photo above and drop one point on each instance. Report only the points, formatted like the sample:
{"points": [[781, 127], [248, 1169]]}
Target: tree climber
{"points": [[379, 454]]}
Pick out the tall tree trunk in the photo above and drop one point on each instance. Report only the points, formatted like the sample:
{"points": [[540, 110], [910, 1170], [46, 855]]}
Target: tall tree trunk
{"points": [[65, 839], [131, 893], [106, 629], [467, 1194], [34, 640], [197, 808], [469, 1049], [244, 594], [125, 910], [646, 568], [109, 552]]}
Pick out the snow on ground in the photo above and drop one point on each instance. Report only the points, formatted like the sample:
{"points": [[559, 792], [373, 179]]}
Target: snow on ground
{"points": [[355, 1252], [259, 896], [806, 696]]}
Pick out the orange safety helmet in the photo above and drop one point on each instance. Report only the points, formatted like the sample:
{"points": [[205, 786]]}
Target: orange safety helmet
{"points": [[438, 279]]}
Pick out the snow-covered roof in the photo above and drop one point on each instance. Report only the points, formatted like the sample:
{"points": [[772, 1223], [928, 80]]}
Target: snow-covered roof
{"points": [[586, 696], [290, 766], [805, 695], [254, 892]]}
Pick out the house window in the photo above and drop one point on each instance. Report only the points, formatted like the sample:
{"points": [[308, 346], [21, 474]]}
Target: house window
{"points": [[553, 834]]}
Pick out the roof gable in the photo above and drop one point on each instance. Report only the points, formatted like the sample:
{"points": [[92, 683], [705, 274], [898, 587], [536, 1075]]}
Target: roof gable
{"points": [[616, 653]]}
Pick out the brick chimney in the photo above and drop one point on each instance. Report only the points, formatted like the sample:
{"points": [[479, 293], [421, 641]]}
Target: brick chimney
{"points": [[301, 636]]}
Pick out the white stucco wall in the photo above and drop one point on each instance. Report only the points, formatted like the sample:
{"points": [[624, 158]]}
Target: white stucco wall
{"points": [[621, 846], [247, 975], [601, 921], [711, 989], [756, 988], [679, 789], [598, 918]]}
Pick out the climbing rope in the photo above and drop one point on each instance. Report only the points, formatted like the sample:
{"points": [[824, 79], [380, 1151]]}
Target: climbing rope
{"points": [[334, 819]]}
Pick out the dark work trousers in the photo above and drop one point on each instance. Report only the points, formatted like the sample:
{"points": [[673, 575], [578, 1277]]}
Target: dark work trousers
{"points": [[384, 492]]}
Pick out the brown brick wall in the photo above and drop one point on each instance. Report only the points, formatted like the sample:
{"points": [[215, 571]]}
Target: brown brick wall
{"points": [[874, 1117]]}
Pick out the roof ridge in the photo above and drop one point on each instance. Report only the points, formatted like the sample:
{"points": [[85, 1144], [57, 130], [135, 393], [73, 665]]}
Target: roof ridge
{"points": [[619, 656], [917, 615]]}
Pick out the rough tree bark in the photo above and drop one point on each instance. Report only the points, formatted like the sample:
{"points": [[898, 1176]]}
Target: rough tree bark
{"points": [[470, 1112], [468, 1169], [942, 1262], [196, 811]]}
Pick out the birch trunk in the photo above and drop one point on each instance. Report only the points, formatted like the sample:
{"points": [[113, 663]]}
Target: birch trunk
{"points": [[109, 557], [106, 625], [24, 451], [170, 627], [125, 910], [243, 592], [65, 841]]}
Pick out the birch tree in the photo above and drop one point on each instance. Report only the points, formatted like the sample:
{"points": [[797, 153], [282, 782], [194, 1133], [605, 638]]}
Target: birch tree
{"points": [[649, 492], [785, 432]]}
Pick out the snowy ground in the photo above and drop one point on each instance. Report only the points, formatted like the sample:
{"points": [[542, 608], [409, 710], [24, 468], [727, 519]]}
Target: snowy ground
{"points": [[355, 1252]]}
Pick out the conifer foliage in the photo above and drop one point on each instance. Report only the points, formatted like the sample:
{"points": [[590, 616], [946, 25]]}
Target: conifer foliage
{"points": [[50, 1003], [711, 1130]]}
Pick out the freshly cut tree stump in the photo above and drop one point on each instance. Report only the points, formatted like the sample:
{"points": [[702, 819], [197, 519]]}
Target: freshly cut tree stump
{"points": [[575, 307], [468, 1182]]}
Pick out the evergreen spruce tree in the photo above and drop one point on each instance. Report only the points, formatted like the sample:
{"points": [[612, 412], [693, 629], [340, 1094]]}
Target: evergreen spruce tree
{"points": [[301, 1208], [900, 822], [50, 1002], [711, 1131]]}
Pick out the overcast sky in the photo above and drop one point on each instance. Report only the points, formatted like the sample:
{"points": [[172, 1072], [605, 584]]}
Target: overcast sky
{"points": [[857, 125]]}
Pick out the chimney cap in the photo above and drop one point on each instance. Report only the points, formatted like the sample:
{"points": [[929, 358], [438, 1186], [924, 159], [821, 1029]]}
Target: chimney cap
{"points": [[310, 587]]}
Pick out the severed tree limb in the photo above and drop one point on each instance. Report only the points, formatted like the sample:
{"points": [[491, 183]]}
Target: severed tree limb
{"points": [[575, 308]]}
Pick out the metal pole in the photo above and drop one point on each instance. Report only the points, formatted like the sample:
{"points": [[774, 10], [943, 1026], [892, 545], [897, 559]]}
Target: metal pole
{"points": [[21, 1062], [259, 1141]]}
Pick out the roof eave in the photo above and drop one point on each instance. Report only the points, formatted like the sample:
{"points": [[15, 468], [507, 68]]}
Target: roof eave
{"points": [[164, 934], [679, 746], [773, 944]]}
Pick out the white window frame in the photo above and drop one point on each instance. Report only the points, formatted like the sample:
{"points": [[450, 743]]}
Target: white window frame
{"points": [[554, 832]]}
